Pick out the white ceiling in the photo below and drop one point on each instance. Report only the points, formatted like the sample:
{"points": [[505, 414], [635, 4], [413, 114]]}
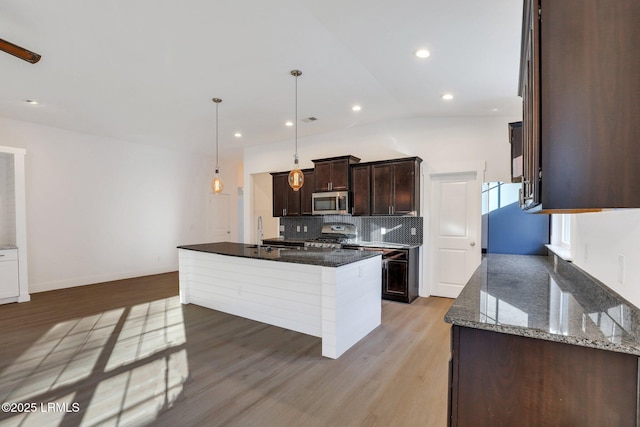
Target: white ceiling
{"points": [[146, 70]]}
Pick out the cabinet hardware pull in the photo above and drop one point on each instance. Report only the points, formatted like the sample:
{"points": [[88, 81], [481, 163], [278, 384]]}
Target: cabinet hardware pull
{"points": [[521, 192], [520, 198]]}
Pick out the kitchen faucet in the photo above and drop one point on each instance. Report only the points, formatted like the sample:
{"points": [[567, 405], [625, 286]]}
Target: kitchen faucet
{"points": [[260, 231]]}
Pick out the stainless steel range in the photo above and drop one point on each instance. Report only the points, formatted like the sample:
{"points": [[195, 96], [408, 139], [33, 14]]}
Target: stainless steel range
{"points": [[334, 235]]}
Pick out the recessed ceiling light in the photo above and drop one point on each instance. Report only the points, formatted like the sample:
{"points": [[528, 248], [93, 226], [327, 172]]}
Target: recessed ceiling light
{"points": [[31, 101], [495, 110], [422, 53], [447, 97], [289, 123], [237, 135], [356, 108]]}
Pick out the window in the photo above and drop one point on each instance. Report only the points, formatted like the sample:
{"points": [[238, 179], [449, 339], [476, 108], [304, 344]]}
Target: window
{"points": [[561, 234], [565, 239]]}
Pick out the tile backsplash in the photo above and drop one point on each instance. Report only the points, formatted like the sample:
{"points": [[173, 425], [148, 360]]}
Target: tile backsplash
{"points": [[390, 229]]}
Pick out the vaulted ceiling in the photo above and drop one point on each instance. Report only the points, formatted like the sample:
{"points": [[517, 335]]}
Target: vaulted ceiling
{"points": [[146, 70]]}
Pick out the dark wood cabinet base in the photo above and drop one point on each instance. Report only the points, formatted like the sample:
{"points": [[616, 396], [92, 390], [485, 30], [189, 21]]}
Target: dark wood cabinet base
{"points": [[507, 380], [400, 275]]}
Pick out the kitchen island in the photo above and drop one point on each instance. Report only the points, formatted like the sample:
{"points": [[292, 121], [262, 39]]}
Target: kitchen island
{"points": [[334, 294], [536, 341]]}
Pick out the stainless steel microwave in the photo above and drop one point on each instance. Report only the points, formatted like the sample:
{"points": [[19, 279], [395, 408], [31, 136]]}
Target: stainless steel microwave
{"points": [[330, 203]]}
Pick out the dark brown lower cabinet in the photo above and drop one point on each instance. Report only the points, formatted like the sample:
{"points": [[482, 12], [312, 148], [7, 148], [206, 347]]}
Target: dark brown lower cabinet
{"points": [[400, 275], [499, 379]]}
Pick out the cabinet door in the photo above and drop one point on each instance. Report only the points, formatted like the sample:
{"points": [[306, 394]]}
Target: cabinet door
{"points": [[530, 91], [361, 185], [340, 175], [533, 79], [9, 285], [396, 279], [293, 199], [581, 386], [322, 176], [404, 188], [280, 181], [306, 204], [517, 162], [381, 189]]}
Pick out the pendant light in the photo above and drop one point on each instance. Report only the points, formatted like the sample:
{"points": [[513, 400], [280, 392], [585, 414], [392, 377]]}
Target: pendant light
{"points": [[296, 177], [216, 184]]}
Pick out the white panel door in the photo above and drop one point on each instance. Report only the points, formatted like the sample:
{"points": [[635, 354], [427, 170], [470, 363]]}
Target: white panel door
{"points": [[455, 231], [218, 229]]}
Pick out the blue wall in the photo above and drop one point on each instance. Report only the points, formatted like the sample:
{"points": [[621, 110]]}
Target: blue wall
{"points": [[513, 231]]}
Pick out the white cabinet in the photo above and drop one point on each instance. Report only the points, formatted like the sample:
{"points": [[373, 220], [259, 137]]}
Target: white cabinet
{"points": [[9, 283]]}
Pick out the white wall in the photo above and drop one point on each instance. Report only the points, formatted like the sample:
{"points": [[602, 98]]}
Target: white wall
{"points": [[597, 241], [101, 209], [262, 185], [7, 200]]}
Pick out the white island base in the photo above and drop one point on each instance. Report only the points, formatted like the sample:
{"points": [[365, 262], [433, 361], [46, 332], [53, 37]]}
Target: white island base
{"points": [[338, 304]]}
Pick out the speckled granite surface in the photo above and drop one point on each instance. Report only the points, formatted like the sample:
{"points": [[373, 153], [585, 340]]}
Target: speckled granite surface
{"points": [[281, 241], [353, 245], [311, 256], [546, 298]]}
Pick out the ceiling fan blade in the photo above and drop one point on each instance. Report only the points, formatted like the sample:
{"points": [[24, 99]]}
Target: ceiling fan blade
{"points": [[19, 52]]}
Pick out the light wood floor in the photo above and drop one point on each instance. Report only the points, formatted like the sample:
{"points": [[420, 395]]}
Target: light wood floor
{"points": [[128, 353]]}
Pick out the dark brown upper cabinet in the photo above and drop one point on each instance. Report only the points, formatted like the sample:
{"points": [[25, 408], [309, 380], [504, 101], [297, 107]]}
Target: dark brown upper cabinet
{"points": [[395, 187], [332, 174], [308, 187], [286, 202], [361, 189], [579, 84]]}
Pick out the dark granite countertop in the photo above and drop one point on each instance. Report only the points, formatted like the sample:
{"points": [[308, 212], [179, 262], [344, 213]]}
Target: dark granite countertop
{"points": [[381, 245], [357, 243], [311, 256], [546, 298], [282, 241]]}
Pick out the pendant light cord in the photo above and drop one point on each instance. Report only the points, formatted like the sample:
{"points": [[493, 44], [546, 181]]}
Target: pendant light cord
{"points": [[296, 117], [217, 167], [296, 74]]}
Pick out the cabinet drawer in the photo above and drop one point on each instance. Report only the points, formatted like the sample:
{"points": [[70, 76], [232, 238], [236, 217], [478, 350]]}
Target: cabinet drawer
{"points": [[8, 254]]}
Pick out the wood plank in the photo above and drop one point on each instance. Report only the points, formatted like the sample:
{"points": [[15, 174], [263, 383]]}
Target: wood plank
{"points": [[128, 352]]}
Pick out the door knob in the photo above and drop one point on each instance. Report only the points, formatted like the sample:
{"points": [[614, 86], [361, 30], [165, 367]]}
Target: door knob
{"points": [[472, 243]]}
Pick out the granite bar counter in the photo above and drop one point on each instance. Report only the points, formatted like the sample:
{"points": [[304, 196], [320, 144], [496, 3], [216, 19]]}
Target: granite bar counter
{"points": [[298, 255], [537, 341], [537, 297], [333, 294]]}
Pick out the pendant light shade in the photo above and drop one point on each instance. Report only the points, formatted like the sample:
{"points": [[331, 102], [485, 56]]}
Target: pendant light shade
{"points": [[216, 183], [296, 177]]}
